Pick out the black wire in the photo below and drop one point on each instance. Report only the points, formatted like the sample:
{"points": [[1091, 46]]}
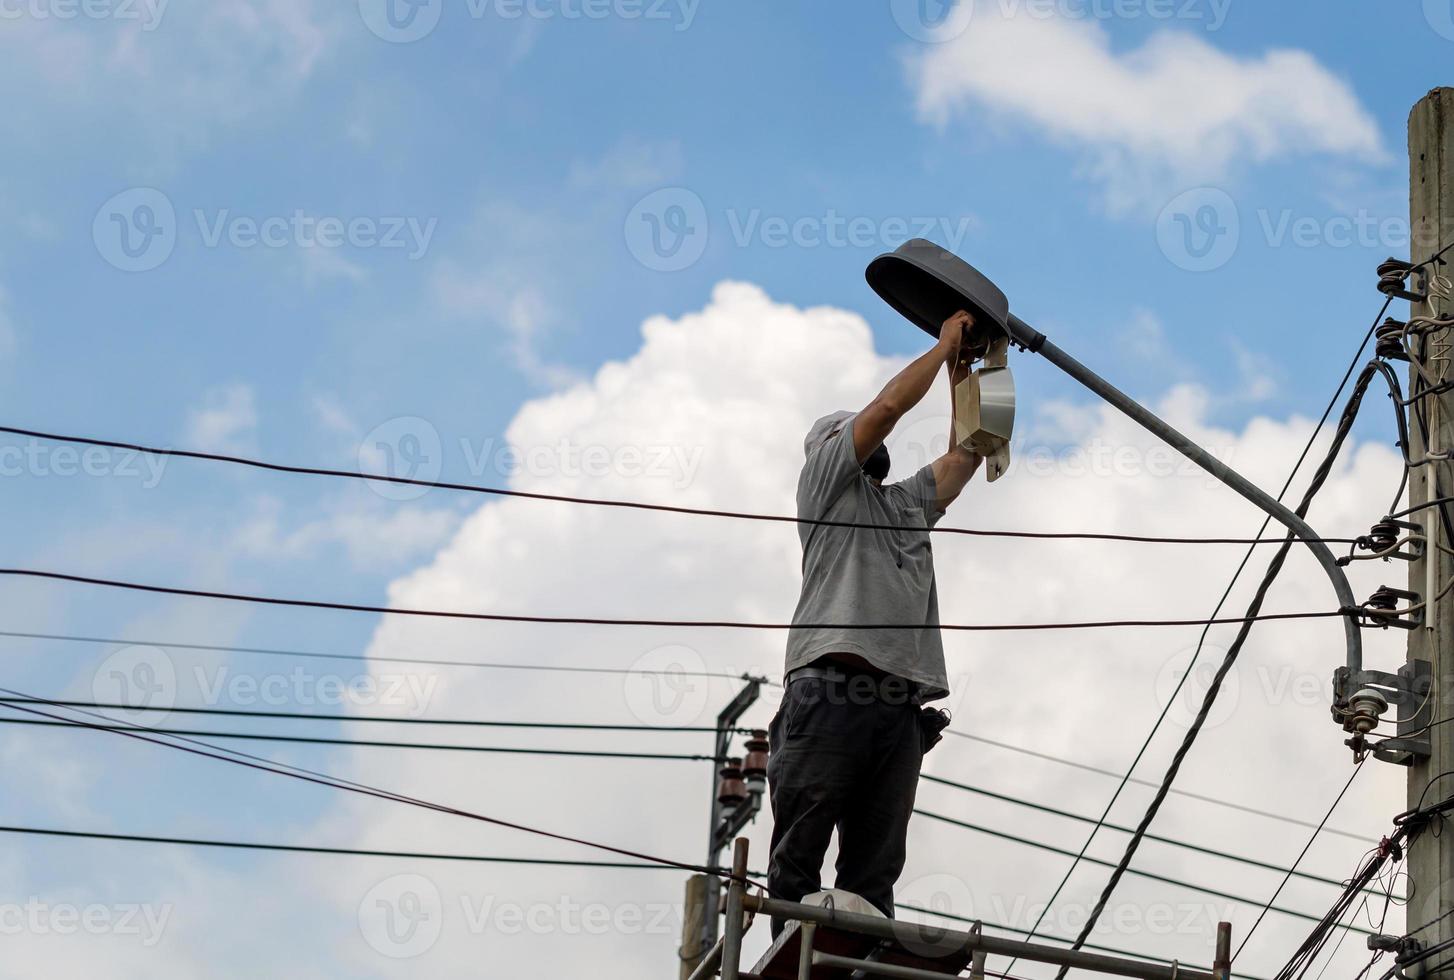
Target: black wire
{"points": [[1242, 808], [218, 753], [364, 658], [627, 504], [349, 851], [1007, 746], [1435, 502], [1302, 854], [1150, 875], [1345, 425], [384, 719], [679, 623], [363, 743], [1172, 841], [1201, 641]]}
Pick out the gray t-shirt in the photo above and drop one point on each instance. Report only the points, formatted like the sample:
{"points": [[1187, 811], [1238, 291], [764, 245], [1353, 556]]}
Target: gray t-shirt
{"points": [[861, 576]]}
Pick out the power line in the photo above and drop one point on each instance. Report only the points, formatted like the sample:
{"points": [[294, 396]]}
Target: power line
{"points": [[1188, 794], [233, 757], [349, 851], [982, 739], [1165, 785], [365, 658], [362, 743], [626, 504], [677, 623], [1301, 854], [1151, 875], [386, 719], [1172, 841], [1274, 567]]}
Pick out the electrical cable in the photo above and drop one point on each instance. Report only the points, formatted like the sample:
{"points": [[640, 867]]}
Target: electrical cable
{"points": [[1171, 841], [365, 658], [623, 671], [1345, 424], [366, 743], [1150, 784], [1151, 875], [970, 736], [1226, 594], [626, 504], [384, 719], [348, 851], [678, 623], [219, 753], [1301, 854]]}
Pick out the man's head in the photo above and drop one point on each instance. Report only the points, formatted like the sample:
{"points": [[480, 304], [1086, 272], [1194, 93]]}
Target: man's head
{"points": [[876, 467]]}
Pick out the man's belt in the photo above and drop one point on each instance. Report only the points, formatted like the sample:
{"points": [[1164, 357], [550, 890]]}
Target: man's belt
{"points": [[913, 691]]}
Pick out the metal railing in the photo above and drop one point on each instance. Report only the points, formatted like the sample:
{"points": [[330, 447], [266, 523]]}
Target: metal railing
{"points": [[742, 909]]}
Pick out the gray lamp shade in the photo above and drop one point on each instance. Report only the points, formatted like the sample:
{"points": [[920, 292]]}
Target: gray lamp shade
{"points": [[927, 285]]}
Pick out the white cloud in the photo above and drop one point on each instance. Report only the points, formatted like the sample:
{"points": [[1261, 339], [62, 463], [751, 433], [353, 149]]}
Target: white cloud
{"points": [[225, 421], [187, 69], [742, 379], [1172, 111], [372, 537]]}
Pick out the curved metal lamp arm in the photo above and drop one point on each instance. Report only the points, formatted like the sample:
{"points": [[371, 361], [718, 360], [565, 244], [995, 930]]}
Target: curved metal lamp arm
{"points": [[1034, 341]]}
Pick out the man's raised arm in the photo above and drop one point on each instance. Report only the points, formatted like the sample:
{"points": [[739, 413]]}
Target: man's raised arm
{"points": [[955, 468], [907, 389]]}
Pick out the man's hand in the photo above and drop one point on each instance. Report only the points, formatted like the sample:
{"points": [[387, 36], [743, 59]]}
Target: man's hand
{"points": [[908, 387], [954, 332]]}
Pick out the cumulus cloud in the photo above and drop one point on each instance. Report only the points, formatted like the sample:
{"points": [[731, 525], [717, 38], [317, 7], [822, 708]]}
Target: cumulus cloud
{"points": [[741, 380], [733, 387], [1176, 109]]}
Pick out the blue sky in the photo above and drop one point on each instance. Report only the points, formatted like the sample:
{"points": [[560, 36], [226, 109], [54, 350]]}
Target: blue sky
{"points": [[518, 163]]}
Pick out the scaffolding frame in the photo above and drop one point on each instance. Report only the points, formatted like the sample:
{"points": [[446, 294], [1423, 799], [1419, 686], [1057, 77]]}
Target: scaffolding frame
{"points": [[741, 909]]}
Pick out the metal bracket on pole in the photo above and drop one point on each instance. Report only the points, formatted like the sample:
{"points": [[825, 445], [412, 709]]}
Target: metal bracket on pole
{"points": [[726, 821], [1356, 706]]}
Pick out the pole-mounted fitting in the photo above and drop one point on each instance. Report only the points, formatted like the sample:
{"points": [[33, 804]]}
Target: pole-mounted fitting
{"points": [[1387, 539], [1392, 275], [1382, 610], [1359, 709], [1389, 340]]}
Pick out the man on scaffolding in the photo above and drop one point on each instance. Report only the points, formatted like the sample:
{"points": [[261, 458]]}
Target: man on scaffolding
{"points": [[852, 729]]}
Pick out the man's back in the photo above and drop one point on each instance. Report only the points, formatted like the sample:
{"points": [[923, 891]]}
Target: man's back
{"points": [[860, 576]]}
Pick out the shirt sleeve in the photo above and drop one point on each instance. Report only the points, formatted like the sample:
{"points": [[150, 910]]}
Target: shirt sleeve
{"points": [[830, 469], [921, 491]]}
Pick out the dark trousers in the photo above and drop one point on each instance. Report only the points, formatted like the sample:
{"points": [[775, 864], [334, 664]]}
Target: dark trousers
{"points": [[846, 754]]}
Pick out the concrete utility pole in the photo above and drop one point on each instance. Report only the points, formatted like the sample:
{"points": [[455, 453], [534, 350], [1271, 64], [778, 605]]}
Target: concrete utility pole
{"points": [[1431, 210]]}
